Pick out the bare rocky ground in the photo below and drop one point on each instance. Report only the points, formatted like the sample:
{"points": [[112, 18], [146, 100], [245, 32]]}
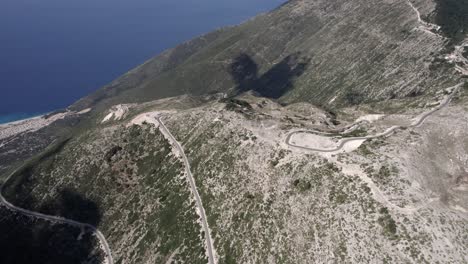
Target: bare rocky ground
{"points": [[396, 199], [401, 198]]}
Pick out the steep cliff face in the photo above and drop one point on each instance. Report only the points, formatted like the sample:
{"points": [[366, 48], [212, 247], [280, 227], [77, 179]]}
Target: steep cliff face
{"points": [[312, 51]]}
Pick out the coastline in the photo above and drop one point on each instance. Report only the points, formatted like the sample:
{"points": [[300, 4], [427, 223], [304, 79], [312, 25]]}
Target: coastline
{"points": [[15, 118], [35, 123]]}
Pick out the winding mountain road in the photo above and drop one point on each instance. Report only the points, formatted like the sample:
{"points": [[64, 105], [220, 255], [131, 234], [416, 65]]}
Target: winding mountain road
{"points": [[425, 26], [58, 219], [193, 187], [387, 132]]}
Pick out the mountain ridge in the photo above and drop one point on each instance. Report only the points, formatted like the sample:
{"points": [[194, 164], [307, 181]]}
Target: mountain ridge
{"points": [[396, 51], [323, 131]]}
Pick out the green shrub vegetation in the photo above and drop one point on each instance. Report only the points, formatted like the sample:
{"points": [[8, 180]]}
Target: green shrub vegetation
{"points": [[388, 224], [130, 183]]}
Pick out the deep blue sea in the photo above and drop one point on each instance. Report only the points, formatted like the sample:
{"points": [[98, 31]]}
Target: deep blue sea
{"points": [[52, 52]]}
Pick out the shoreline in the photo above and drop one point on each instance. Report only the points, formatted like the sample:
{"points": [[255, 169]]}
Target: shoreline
{"points": [[35, 123], [5, 120]]}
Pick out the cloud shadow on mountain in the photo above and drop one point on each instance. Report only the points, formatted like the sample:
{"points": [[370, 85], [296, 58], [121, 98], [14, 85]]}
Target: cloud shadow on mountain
{"points": [[274, 83]]}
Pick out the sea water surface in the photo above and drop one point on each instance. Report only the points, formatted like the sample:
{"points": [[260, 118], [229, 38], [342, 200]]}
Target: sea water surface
{"points": [[17, 116], [53, 52]]}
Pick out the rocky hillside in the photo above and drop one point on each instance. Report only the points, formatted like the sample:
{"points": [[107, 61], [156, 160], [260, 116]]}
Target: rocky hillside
{"points": [[135, 187], [383, 201], [321, 132], [325, 52]]}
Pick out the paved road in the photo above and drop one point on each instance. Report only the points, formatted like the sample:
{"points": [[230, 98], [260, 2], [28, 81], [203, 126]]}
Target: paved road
{"points": [[57, 219], [193, 186], [387, 132]]}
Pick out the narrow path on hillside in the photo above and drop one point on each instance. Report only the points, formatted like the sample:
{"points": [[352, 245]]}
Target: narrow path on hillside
{"points": [[193, 187], [419, 120], [57, 219]]}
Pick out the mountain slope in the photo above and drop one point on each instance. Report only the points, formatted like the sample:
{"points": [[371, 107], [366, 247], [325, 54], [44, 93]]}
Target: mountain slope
{"points": [[323, 131], [303, 51], [265, 201], [136, 185]]}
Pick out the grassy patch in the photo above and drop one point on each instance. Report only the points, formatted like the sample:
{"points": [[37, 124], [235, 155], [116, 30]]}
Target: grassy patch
{"points": [[389, 226], [354, 98], [364, 150], [359, 132], [237, 105], [302, 185]]}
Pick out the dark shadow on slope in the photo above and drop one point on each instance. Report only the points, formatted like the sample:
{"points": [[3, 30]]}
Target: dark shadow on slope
{"points": [[244, 72], [452, 16], [69, 203], [26, 239], [72, 205], [20, 185], [274, 83]]}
